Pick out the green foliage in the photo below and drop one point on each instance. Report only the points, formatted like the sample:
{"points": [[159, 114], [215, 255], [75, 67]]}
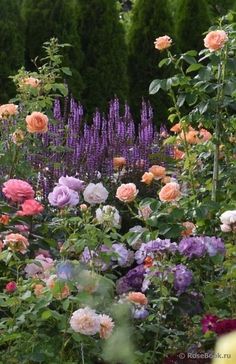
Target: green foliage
{"points": [[105, 56], [11, 45], [189, 28], [151, 19], [220, 7], [46, 19]]}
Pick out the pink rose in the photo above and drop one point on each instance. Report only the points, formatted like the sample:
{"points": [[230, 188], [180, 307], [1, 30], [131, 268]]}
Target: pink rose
{"points": [[16, 243], [127, 192], [162, 43], [30, 207], [37, 122], [31, 81], [18, 190], [205, 135], [170, 192], [8, 110], [41, 267], [11, 287], [215, 40]]}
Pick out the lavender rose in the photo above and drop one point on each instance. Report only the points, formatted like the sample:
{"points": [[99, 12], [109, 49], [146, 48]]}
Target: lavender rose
{"points": [[193, 247], [62, 196], [182, 278], [73, 183]]}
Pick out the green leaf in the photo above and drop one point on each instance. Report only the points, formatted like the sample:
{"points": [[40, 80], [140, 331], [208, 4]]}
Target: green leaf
{"points": [[67, 71], [46, 315], [154, 86], [181, 99], [194, 67], [189, 59]]}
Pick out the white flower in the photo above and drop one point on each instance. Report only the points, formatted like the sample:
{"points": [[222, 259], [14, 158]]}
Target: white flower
{"points": [[85, 321], [225, 228], [95, 193], [108, 215], [228, 217]]}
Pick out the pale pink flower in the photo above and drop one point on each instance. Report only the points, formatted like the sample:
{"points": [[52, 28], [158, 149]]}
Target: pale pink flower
{"points": [[215, 40], [106, 326], [16, 243], [170, 192], [163, 42], [85, 321], [127, 192], [31, 81], [40, 268], [8, 110]]}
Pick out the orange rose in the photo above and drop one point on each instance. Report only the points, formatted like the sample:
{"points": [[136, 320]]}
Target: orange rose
{"points": [[170, 192], [37, 122], [191, 137], [166, 180], [162, 43], [147, 178], [159, 172], [215, 40], [178, 154], [137, 297], [127, 192], [31, 81], [8, 110], [4, 219], [176, 128], [119, 162], [38, 289], [189, 228]]}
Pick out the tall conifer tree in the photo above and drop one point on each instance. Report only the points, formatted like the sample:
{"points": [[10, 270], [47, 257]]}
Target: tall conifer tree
{"points": [[11, 46]]}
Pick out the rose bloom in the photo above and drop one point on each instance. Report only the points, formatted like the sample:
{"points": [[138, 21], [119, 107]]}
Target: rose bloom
{"points": [[127, 192], [38, 289], [163, 42], [41, 267], [17, 190], [30, 208], [159, 172], [215, 40], [119, 162], [30, 81], [95, 193], [204, 135], [138, 298], [85, 321], [37, 122], [62, 196], [64, 289], [4, 219], [178, 154], [225, 349], [8, 110], [176, 128], [165, 180], [11, 287], [225, 228], [170, 192], [73, 183], [16, 243], [22, 228], [145, 211], [191, 137], [106, 326], [18, 137], [189, 228], [147, 178]]}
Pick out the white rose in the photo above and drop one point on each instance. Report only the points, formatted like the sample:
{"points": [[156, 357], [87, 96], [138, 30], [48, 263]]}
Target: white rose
{"points": [[95, 193], [108, 215], [225, 228], [228, 217]]}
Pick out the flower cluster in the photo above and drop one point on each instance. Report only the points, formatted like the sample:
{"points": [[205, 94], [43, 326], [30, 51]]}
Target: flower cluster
{"points": [[196, 247], [66, 193]]}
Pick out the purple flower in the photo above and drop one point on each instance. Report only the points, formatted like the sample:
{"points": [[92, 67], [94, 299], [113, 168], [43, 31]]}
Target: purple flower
{"points": [[65, 270], [140, 314], [124, 256], [133, 280], [62, 196], [192, 247], [73, 183], [214, 245], [155, 246], [182, 278]]}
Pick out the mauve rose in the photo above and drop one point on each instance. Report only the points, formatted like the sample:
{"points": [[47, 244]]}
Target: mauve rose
{"points": [[95, 193], [215, 40], [73, 183], [40, 268], [17, 190], [30, 207], [63, 196]]}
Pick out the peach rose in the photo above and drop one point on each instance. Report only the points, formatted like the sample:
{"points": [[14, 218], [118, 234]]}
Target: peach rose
{"points": [[18, 137], [176, 128], [106, 326], [191, 137], [30, 207], [4, 219], [162, 43], [178, 154], [37, 122], [16, 243], [147, 178], [31, 81], [8, 110], [204, 135], [165, 180], [137, 297], [38, 289], [119, 162], [215, 40], [17, 190], [189, 228], [127, 192], [159, 172], [170, 192]]}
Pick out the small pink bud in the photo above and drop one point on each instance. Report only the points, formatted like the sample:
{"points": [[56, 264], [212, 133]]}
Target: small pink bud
{"points": [[83, 207], [11, 287]]}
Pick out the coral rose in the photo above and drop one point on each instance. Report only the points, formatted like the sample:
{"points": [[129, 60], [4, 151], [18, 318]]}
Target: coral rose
{"points": [[147, 178], [8, 110], [137, 297], [4, 219], [204, 135], [17, 190], [178, 154], [189, 228], [215, 40], [30, 207], [170, 192], [163, 42], [16, 243], [30, 81], [127, 192], [119, 162], [159, 172], [37, 122]]}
